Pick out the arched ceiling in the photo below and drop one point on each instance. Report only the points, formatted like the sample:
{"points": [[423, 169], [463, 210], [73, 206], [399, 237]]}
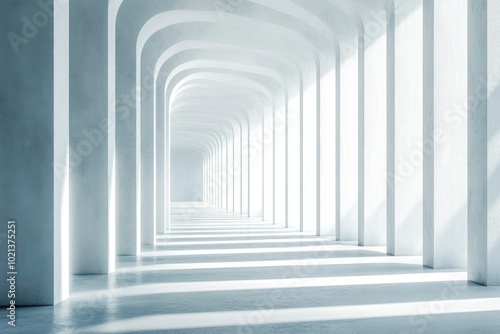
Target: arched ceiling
{"points": [[216, 66]]}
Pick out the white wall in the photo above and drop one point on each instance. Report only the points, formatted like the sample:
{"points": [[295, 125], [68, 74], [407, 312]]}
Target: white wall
{"points": [[186, 176]]}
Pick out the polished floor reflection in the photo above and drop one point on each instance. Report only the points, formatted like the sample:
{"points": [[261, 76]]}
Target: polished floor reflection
{"points": [[222, 273]]}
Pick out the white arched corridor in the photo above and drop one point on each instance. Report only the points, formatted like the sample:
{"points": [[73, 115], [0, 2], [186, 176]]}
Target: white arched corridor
{"points": [[250, 166]]}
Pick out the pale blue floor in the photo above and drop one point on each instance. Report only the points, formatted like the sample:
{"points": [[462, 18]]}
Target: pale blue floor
{"points": [[220, 273]]}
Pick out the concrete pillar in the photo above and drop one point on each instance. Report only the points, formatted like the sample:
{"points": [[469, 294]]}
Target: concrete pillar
{"points": [[317, 216], [287, 161], [279, 158], [159, 108], [293, 156], [221, 176], [337, 141], [208, 180], [256, 167], [247, 178], [328, 127], [35, 155], [372, 98], [206, 185], [218, 168], [220, 172], [230, 172], [160, 171], [404, 128], [310, 147], [268, 165], [212, 180], [445, 134], [128, 147], [484, 142], [214, 175], [238, 158], [347, 225], [301, 157], [147, 147], [91, 133], [166, 169], [225, 173]]}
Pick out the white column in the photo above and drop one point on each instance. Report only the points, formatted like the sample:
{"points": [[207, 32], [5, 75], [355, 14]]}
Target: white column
{"points": [[347, 225], [160, 171], [91, 133], [216, 174], [268, 165], [128, 152], [280, 163], [230, 172], [404, 128], [206, 185], [445, 134], [147, 147], [220, 170], [245, 152], [223, 171], [161, 111], [310, 147], [221, 174], [484, 142], [301, 157], [210, 185], [227, 173], [256, 167], [317, 186], [294, 154], [35, 155], [327, 185], [238, 179], [373, 135], [337, 141], [167, 167]]}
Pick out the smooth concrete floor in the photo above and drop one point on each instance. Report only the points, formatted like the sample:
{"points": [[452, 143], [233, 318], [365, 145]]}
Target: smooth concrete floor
{"points": [[221, 273]]}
